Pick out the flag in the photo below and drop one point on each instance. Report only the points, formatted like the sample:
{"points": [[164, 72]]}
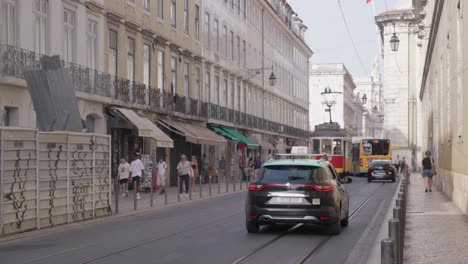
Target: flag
{"points": [[368, 1]]}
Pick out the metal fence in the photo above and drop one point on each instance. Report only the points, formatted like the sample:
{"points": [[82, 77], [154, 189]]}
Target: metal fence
{"points": [[48, 179]]}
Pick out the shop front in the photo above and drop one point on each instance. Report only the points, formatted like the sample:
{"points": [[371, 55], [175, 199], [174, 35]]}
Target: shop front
{"points": [[192, 140], [131, 134]]}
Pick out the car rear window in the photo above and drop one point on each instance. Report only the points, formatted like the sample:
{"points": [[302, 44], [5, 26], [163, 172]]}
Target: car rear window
{"points": [[381, 164], [294, 174]]}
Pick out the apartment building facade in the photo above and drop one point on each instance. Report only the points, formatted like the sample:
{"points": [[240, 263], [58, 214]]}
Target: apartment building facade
{"points": [[200, 63]]}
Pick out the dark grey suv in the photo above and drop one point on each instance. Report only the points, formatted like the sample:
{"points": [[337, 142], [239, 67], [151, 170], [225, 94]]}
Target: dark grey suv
{"points": [[297, 191]]}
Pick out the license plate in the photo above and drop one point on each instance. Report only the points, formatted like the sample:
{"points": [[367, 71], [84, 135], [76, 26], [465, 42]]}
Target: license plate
{"points": [[316, 201], [287, 200]]}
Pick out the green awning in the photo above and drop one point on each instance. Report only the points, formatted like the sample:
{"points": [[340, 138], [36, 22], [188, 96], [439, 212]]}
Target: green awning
{"points": [[250, 144], [223, 133]]}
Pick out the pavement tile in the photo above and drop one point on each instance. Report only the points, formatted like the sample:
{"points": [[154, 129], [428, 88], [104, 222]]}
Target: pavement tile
{"points": [[436, 230]]}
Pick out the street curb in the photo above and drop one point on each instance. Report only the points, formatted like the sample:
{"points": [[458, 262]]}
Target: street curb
{"points": [[59, 228]]}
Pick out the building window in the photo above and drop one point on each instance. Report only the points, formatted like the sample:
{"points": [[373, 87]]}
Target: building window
{"points": [[147, 5], [207, 86], [131, 59], [10, 116], [173, 75], [238, 50], [90, 124], [197, 83], [225, 40], [69, 35], [244, 7], [186, 16], [173, 13], [215, 94], [244, 53], [8, 23], [161, 9], [146, 64], [186, 79], [207, 31], [231, 95], [225, 94], [41, 34], [92, 44], [239, 7], [160, 70], [113, 52], [197, 22], [216, 32], [232, 46]]}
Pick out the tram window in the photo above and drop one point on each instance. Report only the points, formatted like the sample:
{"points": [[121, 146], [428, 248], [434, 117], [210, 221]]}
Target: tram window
{"points": [[337, 147], [316, 146], [327, 146]]}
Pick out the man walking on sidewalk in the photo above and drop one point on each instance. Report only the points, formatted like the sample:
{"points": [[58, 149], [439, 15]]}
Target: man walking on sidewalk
{"points": [[183, 171], [137, 170]]}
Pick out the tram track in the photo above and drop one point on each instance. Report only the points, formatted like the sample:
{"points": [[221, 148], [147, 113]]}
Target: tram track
{"points": [[321, 243]]}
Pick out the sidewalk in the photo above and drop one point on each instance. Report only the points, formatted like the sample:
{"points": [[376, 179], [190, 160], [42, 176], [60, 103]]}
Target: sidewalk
{"points": [[436, 230]]}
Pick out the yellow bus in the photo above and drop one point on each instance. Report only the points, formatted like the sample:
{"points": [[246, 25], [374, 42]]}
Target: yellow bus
{"points": [[367, 149]]}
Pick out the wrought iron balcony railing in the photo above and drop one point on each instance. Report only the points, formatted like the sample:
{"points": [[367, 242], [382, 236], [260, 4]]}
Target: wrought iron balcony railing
{"points": [[14, 62]]}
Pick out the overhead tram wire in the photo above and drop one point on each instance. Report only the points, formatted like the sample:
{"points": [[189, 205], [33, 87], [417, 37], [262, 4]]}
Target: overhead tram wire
{"points": [[351, 37]]}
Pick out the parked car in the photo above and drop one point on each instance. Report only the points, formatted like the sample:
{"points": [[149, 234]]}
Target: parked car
{"points": [[297, 191], [381, 170]]}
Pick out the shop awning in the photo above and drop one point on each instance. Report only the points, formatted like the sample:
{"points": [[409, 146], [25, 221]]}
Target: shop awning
{"points": [[264, 144], [146, 128], [195, 134], [224, 133], [236, 134]]}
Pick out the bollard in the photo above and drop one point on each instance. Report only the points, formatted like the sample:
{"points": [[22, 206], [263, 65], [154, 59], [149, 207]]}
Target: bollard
{"points": [[178, 189], [151, 190], [209, 186], [134, 196], [227, 183], [233, 184], [219, 184], [190, 188], [386, 251], [200, 189], [394, 234], [116, 192], [240, 180], [165, 194]]}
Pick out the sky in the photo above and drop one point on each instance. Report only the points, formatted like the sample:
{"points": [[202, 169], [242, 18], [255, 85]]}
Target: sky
{"points": [[327, 35]]}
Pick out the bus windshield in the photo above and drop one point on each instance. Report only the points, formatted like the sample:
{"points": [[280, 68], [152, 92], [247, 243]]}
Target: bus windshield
{"points": [[375, 147]]}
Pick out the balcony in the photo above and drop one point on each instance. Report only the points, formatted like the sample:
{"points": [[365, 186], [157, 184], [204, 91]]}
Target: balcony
{"points": [[123, 92]]}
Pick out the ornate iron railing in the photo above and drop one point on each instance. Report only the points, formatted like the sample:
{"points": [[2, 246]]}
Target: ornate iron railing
{"points": [[14, 62]]}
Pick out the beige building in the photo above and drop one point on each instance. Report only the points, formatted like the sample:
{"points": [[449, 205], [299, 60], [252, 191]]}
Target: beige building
{"points": [[205, 63], [444, 99]]}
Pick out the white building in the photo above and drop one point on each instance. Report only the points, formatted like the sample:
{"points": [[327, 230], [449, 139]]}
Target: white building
{"points": [[373, 117], [402, 76], [347, 110]]}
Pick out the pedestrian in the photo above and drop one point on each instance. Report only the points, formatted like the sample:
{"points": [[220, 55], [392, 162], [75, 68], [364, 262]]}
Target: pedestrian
{"points": [[251, 169], [196, 174], [324, 157], [124, 173], [429, 171], [257, 166], [241, 166], [403, 165], [183, 171], [205, 163], [397, 164], [137, 170], [162, 175]]}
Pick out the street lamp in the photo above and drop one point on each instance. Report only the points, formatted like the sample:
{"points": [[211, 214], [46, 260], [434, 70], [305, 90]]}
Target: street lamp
{"points": [[330, 100], [394, 42], [272, 79], [364, 99], [251, 73]]}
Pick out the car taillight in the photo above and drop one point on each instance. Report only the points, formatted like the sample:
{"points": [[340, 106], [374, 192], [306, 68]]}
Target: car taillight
{"points": [[320, 188], [361, 163], [372, 168], [256, 187]]}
